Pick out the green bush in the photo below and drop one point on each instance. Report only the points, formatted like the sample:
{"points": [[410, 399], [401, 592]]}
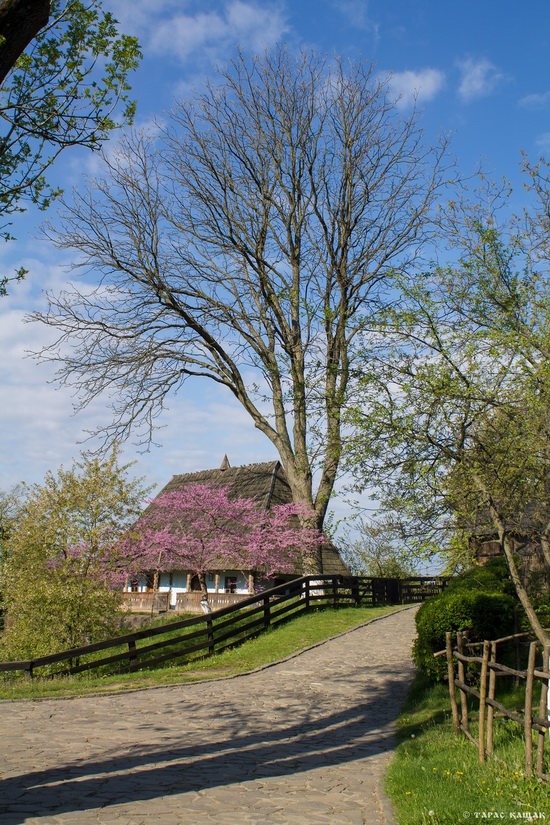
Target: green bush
{"points": [[475, 601], [492, 577]]}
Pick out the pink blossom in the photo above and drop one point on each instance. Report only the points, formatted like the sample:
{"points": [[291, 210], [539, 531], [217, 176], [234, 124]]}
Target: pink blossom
{"points": [[201, 528]]}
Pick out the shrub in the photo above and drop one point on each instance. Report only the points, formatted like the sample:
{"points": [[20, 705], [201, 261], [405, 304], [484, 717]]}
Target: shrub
{"points": [[491, 577], [475, 602]]}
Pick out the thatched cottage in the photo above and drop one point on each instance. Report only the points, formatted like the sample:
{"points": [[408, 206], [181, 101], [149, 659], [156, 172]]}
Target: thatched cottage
{"points": [[266, 484]]}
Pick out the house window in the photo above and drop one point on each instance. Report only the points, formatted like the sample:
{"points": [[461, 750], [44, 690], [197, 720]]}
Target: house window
{"points": [[149, 582], [134, 585], [195, 584], [230, 584]]}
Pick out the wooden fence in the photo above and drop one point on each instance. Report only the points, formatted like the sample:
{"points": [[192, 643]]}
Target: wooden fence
{"points": [[367, 590], [532, 719], [189, 639], [151, 602], [191, 602]]}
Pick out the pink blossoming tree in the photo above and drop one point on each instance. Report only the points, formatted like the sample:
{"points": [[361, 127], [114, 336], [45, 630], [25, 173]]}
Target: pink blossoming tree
{"points": [[201, 528]]}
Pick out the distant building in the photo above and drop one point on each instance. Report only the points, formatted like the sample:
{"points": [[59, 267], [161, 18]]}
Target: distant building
{"points": [[525, 535]]}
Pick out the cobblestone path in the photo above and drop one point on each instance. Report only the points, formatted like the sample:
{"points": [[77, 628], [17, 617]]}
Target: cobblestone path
{"points": [[303, 742]]}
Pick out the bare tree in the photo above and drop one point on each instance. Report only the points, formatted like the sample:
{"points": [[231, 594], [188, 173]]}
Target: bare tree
{"points": [[246, 243]]}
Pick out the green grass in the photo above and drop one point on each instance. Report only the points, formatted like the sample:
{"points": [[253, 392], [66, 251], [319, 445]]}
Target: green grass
{"points": [[274, 644], [436, 778]]}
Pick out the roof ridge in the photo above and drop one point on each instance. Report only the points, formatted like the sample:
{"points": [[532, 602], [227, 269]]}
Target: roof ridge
{"points": [[229, 470]]}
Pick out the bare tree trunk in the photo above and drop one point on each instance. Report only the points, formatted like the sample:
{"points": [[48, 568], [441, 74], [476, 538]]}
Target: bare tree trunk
{"points": [[545, 544], [523, 596], [508, 551]]}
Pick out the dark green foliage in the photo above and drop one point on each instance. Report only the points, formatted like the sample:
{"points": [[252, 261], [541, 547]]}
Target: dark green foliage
{"points": [[478, 601], [492, 576]]}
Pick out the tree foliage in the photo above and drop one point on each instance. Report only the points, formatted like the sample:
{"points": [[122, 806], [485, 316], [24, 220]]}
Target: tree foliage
{"points": [[455, 418], [374, 550], [64, 90], [62, 575], [202, 528], [478, 601], [244, 244]]}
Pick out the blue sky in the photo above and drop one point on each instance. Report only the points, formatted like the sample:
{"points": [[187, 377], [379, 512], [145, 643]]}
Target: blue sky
{"points": [[479, 70]]}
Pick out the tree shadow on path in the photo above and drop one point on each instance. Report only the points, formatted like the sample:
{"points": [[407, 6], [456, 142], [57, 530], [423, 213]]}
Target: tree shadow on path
{"points": [[321, 738]]}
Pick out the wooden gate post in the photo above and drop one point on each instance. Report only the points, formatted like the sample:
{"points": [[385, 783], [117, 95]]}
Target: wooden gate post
{"points": [[528, 716], [462, 678], [483, 702], [267, 613], [544, 710], [492, 691], [452, 689], [335, 591], [132, 654], [210, 634]]}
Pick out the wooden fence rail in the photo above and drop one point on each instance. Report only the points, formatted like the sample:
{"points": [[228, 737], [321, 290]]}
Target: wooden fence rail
{"points": [[189, 639], [532, 720]]}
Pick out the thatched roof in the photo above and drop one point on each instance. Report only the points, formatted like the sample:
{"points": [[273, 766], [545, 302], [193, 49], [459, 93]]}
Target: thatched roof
{"points": [[527, 523], [265, 483]]}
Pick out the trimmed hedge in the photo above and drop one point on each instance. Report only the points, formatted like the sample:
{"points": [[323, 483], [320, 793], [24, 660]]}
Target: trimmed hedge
{"points": [[477, 601]]}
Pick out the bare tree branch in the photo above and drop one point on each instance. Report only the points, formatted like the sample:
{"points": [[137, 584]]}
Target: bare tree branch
{"points": [[246, 244]]}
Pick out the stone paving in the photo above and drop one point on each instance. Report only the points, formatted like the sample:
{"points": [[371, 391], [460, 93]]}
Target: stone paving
{"points": [[303, 742]]}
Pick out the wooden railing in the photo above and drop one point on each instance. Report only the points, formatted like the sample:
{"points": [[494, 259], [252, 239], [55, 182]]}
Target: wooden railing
{"points": [[191, 602], [482, 686], [146, 602], [189, 639]]}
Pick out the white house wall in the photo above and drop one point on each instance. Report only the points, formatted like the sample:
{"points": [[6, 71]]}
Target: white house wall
{"points": [[178, 583]]}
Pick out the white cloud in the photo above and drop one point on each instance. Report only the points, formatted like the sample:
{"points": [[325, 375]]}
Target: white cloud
{"points": [[39, 432], [357, 14], [416, 86], [538, 100], [139, 16], [543, 142], [208, 34], [479, 78]]}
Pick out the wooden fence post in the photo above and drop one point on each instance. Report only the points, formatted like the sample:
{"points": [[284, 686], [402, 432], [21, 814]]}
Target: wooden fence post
{"points": [[492, 691], [267, 613], [462, 678], [335, 591], [543, 710], [482, 702], [528, 714], [307, 595], [132, 654], [210, 634], [452, 689]]}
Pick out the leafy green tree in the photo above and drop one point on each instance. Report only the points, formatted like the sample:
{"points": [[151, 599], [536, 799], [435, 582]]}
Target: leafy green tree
{"points": [[62, 574], [454, 416], [64, 90], [10, 505], [376, 551]]}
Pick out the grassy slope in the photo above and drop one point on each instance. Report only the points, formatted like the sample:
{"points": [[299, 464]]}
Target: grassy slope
{"points": [[268, 647]]}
